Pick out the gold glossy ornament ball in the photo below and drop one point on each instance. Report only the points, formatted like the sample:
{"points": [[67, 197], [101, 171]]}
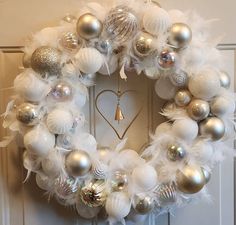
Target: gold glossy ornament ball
{"points": [[190, 180], [143, 44], [89, 26], [94, 194], [143, 204], [212, 128], [28, 114], [78, 163], [225, 80], [183, 98], [119, 181], [175, 152], [198, 109], [207, 175], [167, 59], [180, 35], [46, 60]]}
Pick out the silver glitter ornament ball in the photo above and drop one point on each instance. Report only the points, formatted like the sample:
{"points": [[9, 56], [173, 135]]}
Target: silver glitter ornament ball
{"points": [[78, 163], [180, 35], [89, 26], [143, 204], [28, 114], [62, 91], [167, 59], [175, 152], [46, 61], [121, 24]]}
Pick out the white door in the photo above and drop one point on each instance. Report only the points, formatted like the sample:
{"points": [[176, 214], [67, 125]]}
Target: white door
{"points": [[25, 204]]}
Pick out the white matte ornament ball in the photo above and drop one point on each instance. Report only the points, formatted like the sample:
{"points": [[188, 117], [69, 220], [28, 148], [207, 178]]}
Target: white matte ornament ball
{"points": [[162, 128], [156, 21], [204, 85], [185, 129], [144, 177], [165, 89], [39, 141], [89, 60], [60, 121]]}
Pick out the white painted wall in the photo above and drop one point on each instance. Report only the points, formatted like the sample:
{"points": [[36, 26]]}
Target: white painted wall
{"points": [[25, 204]]}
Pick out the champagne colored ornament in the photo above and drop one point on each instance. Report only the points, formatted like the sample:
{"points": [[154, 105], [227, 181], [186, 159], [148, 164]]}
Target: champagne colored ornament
{"points": [[143, 44], [70, 42], [185, 129], [144, 177], [175, 152], [78, 163], [59, 121], [62, 91], [30, 87], [119, 181], [118, 206], [198, 109], [143, 204], [89, 26], [39, 141], [94, 194], [69, 18], [156, 21], [179, 78], [46, 61], [89, 60], [207, 175], [204, 85], [28, 114], [190, 180], [221, 106], [167, 59], [103, 46], [26, 60], [183, 97], [166, 194], [65, 187], [121, 24], [225, 80], [180, 35], [212, 128]]}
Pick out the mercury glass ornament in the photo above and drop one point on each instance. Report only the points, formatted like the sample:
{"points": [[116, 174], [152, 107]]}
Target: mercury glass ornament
{"points": [[166, 193], [62, 91], [180, 35], [175, 152], [70, 42], [190, 179], [69, 18], [179, 78], [89, 26], [65, 187], [46, 60], [183, 98], [119, 181], [207, 175], [28, 114], [198, 109], [143, 204], [167, 59], [212, 128], [78, 163], [143, 44], [121, 24], [103, 46], [94, 194], [224, 79]]}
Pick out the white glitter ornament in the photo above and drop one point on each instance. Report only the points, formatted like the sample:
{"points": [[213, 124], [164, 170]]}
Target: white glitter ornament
{"points": [[204, 85], [89, 60], [156, 21], [60, 121]]}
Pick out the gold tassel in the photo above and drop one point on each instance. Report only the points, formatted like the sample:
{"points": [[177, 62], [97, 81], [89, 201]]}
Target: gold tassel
{"points": [[119, 115]]}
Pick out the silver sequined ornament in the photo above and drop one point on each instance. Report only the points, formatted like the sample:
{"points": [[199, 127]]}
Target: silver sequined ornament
{"points": [[175, 152], [166, 194], [179, 78], [28, 114], [121, 24], [62, 91], [94, 194], [70, 42], [46, 60], [143, 204], [167, 59]]}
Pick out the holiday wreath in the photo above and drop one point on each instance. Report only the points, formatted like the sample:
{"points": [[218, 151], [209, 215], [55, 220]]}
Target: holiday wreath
{"points": [[172, 48]]}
